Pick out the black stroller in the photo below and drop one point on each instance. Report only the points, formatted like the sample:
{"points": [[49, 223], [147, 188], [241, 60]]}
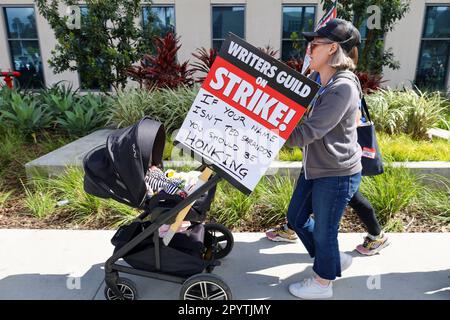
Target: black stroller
{"points": [[117, 170]]}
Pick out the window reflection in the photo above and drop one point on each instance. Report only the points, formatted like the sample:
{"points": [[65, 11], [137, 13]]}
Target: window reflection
{"points": [[432, 70], [24, 46], [227, 19], [296, 19], [160, 20]]}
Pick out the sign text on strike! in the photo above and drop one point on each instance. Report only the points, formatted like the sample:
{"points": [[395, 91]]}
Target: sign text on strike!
{"points": [[255, 100]]}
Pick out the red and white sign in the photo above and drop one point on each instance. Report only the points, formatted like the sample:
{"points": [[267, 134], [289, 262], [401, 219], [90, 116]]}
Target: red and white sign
{"points": [[244, 112]]}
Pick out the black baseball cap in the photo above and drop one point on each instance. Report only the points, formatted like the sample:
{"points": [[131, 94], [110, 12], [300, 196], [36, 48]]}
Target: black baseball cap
{"points": [[337, 30]]}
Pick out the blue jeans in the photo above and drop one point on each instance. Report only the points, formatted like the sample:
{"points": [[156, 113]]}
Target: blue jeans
{"points": [[326, 198]]}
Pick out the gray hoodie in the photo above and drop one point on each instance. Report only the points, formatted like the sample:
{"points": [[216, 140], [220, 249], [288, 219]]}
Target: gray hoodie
{"points": [[328, 134]]}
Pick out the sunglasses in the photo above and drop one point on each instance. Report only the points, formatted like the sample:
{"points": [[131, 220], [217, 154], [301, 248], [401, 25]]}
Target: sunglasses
{"points": [[314, 44]]}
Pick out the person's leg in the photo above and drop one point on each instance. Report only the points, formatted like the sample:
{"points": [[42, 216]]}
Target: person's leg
{"points": [[283, 233], [376, 240], [299, 211], [366, 213], [330, 196]]}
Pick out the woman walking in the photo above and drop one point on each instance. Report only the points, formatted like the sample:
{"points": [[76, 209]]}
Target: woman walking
{"points": [[331, 157]]}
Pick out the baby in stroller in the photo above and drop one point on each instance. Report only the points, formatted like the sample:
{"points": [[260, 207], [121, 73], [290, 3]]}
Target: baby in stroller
{"points": [[170, 182]]}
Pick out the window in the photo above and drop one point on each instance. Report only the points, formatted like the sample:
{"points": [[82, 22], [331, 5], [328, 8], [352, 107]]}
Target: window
{"points": [[158, 20], [227, 19], [432, 69], [296, 19], [24, 46]]}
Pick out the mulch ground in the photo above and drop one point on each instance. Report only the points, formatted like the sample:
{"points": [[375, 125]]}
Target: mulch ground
{"points": [[14, 216]]}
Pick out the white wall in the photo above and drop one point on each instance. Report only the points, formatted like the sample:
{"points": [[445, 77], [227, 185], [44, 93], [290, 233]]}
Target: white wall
{"points": [[193, 25], [405, 42], [259, 31]]}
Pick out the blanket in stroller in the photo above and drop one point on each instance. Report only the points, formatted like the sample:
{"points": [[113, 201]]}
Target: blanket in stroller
{"points": [[171, 182]]}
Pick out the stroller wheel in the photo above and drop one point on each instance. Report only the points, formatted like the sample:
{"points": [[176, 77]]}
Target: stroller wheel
{"points": [[221, 237], [127, 287], [205, 286]]}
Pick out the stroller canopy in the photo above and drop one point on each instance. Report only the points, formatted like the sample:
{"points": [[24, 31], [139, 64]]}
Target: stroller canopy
{"points": [[117, 170]]}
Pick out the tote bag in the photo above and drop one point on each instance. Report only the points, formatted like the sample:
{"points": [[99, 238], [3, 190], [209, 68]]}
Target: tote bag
{"points": [[372, 163]]}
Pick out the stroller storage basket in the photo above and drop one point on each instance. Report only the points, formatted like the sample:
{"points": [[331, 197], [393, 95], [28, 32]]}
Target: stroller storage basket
{"points": [[183, 256]]}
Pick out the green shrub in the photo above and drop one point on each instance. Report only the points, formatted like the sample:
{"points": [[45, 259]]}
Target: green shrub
{"points": [[446, 123], [290, 154], [391, 192], [76, 114], [4, 196], [394, 194], [82, 206], [58, 105], [276, 193], [25, 114], [83, 117], [407, 111], [394, 225], [401, 148], [48, 141], [168, 106], [120, 214], [434, 200], [5, 97], [58, 98], [168, 149], [15, 151], [39, 200], [427, 110], [11, 143], [129, 106], [85, 208], [230, 206]]}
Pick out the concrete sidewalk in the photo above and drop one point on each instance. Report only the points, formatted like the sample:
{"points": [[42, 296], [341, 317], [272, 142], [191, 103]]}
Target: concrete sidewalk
{"points": [[67, 264]]}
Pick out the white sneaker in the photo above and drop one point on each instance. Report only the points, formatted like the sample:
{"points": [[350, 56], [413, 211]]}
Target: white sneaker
{"points": [[346, 261], [311, 289]]}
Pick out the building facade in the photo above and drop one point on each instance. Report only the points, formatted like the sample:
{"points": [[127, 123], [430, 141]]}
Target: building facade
{"points": [[420, 41]]}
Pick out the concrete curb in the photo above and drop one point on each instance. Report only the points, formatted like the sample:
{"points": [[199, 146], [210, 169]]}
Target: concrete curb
{"points": [[56, 162]]}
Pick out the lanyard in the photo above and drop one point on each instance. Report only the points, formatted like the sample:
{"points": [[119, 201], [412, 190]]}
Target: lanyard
{"points": [[321, 91]]}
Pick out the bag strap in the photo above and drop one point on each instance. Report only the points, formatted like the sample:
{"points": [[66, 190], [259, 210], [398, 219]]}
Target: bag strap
{"points": [[365, 110]]}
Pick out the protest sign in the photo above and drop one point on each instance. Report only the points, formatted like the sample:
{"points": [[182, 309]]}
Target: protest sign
{"points": [[244, 112]]}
